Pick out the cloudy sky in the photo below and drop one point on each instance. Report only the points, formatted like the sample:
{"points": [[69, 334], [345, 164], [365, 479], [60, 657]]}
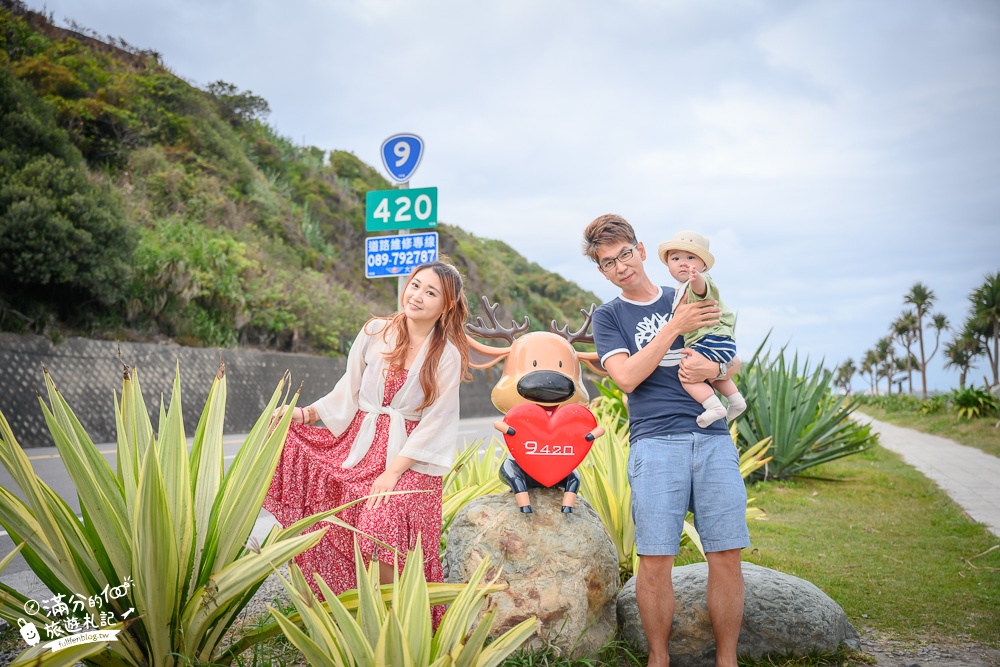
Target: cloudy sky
{"points": [[835, 152]]}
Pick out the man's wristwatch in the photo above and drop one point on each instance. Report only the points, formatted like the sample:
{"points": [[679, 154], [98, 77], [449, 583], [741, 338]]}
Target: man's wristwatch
{"points": [[723, 369]]}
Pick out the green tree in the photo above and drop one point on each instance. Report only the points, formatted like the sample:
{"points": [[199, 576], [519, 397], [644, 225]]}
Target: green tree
{"points": [[961, 352], [904, 329], [238, 106], [64, 240], [869, 367], [985, 321], [844, 374], [922, 298], [884, 362]]}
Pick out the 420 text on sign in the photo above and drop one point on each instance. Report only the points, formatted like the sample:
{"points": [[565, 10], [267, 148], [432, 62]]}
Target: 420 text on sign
{"points": [[401, 209]]}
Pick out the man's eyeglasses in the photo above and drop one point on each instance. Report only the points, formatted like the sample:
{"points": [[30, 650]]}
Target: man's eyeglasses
{"points": [[624, 256]]}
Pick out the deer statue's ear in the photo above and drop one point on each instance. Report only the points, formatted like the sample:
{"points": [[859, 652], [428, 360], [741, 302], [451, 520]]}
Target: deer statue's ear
{"points": [[592, 361], [483, 356]]}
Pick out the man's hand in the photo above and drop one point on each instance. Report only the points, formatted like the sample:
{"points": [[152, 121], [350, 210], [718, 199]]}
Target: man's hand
{"points": [[695, 368], [693, 316]]}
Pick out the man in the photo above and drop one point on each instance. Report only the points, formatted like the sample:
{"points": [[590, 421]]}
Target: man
{"points": [[674, 464]]}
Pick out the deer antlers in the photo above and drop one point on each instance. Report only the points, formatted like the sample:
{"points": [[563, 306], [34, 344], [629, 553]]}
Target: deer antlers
{"points": [[580, 335], [495, 329]]}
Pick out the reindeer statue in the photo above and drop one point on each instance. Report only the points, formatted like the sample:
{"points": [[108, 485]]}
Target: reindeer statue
{"points": [[547, 427]]}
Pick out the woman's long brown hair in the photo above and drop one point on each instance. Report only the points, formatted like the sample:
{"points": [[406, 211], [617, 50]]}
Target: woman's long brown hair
{"points": [[449, 327]]}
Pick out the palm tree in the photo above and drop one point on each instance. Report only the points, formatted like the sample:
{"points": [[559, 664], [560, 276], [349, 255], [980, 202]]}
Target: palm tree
{"points": [[904, 328], [986, 313], [922, 298], [845, 373], [869, 367], [961, 352], [939, 322], [883, 361], [900, 366]]}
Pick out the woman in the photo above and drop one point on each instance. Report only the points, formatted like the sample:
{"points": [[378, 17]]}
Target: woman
{"points": [[391, 424]]}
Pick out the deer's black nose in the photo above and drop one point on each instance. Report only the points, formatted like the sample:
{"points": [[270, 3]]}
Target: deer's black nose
{"points": [[546, 387]]}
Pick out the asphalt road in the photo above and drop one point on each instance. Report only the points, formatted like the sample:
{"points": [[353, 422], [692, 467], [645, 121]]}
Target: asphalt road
{"points": [[49, 467]]}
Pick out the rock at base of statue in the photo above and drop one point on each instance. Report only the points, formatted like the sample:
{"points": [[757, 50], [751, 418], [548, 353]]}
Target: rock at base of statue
{"points": [[782, 615], [561, 568]]}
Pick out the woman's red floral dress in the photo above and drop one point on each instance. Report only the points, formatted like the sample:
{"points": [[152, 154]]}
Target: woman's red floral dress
{"points": [[309, 479]]}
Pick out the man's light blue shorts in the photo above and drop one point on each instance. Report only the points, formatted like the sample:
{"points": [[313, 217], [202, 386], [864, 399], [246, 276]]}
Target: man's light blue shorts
{"points": [[675, 473]]}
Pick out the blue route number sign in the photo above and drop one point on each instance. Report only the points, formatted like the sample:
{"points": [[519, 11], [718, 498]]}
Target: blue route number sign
{"points": [[394, 256], [401, 155]]}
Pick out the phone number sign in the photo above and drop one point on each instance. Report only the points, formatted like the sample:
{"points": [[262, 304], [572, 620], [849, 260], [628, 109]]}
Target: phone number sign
{"points": [[393, 256]]}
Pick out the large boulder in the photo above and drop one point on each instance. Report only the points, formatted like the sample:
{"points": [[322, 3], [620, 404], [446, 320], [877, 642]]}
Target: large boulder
{"points": [[562, 568], [782, 614]]}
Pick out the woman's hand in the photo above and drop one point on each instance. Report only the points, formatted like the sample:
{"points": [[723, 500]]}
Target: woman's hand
{"points": [[298, 416], [384, 482]]}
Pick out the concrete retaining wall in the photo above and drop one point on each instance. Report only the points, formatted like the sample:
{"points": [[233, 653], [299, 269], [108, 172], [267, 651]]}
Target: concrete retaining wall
{"points": [[88, 373]]}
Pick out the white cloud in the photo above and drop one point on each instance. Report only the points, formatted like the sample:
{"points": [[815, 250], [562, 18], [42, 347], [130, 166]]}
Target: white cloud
{"points": [[835, 152]]}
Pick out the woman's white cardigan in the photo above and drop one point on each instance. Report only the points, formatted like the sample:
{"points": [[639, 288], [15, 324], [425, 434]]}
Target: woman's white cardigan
{"points": [[433, 442]]}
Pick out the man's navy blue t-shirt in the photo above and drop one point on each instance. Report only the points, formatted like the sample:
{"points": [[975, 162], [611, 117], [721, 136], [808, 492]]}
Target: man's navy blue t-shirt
{"points": [[659, 405]]}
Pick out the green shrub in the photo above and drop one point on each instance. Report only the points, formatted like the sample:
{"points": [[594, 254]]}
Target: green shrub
{"points": [[191, 281], [398, 632], [973, 403], [797, 409], [893, 402], [17, 38], [64, 240], [934, 404]]}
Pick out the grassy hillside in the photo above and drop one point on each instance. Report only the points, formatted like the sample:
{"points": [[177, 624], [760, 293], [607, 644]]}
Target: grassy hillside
{"points": [[136, 206]]}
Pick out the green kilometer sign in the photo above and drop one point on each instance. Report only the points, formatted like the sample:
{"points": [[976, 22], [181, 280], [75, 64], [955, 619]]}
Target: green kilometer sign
{"points": [[414, 208]]}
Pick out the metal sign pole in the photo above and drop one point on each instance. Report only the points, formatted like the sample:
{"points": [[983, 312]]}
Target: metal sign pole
{"points": [[401, 283]]}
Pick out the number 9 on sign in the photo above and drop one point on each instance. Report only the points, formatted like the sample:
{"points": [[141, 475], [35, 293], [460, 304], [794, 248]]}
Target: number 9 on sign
{"points": [[401, 155]]}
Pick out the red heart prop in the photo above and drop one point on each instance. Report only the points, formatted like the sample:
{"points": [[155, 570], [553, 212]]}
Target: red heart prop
{"points": [[548, 446]]}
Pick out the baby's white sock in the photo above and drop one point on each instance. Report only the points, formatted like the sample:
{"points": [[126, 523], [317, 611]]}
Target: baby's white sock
{"points": [[713, 411], [736, 406]]}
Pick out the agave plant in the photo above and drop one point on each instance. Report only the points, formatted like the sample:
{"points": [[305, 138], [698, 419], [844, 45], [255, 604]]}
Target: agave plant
{"points": [[167, 529], [604, 483], [397, 633], [474, 474], [793, 405]]}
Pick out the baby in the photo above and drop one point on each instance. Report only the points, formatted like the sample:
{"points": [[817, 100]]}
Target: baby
{"points": [[687, 257]]}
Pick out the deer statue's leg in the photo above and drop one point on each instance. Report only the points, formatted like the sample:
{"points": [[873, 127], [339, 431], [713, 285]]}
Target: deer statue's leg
{"points": [[514, 477], [571, 485]]}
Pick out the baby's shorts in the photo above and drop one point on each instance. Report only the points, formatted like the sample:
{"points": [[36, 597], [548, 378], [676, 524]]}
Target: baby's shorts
{"points": [[719, 349]]}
